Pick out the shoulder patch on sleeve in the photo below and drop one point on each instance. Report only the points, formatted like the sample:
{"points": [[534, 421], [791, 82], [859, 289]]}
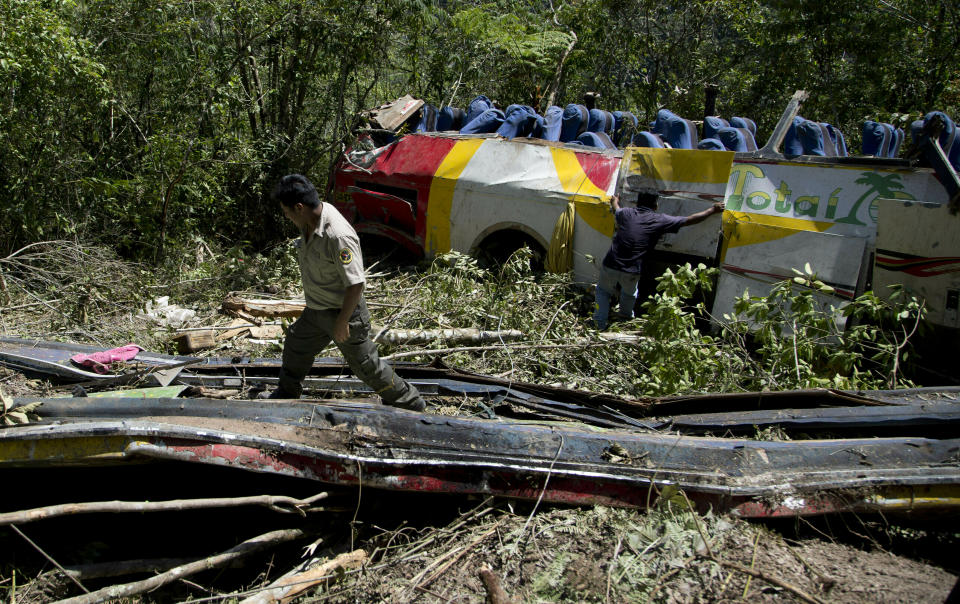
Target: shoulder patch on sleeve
{"points": [[346, 256]]}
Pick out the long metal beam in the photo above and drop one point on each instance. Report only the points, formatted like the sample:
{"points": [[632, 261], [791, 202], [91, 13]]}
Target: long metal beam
{"points": [[351, 442]]}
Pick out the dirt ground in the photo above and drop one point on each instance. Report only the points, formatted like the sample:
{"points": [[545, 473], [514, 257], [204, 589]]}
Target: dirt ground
{"points": [[611, 555]]}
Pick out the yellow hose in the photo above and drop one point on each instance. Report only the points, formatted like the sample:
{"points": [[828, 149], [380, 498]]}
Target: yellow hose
{"points": [[560, 254]]}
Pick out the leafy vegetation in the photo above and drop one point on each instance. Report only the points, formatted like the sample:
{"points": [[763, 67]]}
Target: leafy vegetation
{"points": [[785, 340]]}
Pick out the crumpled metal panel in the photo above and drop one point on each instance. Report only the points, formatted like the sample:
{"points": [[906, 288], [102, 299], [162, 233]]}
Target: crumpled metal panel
{"points": [[352, 443]]}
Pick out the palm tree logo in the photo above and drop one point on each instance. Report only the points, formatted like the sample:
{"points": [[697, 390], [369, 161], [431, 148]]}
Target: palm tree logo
{"points": [[880, 186]]}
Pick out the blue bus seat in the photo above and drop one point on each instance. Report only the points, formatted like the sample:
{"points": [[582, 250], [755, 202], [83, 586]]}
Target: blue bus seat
{"points": [[488, 121], [596, 139], [476, 107], [574, 122], [676, 131], [949, 140], [519, 120], [897, 142], [450, 118], [552, 122], [600, 121], [428, 119], [737, 139], [839, 142], [648, 139], [711, 144], [877, 138], [745, 122], [711, 124], [791, 140]]}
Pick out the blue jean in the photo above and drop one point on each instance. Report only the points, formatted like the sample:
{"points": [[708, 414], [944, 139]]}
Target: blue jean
{"points": [[606, 286]]}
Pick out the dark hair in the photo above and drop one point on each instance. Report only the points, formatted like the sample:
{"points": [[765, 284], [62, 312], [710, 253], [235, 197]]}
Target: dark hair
{"points": [[647, 200], [296, 188]]}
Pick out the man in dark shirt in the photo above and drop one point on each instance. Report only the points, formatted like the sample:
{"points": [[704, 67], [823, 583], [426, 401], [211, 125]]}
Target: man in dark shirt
{"points": [[637, 231]]}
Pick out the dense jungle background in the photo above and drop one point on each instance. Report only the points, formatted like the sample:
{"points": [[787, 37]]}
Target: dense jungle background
{"points": [[145, 125]]}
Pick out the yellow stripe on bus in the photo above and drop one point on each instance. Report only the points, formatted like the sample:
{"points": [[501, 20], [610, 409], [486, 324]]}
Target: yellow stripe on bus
{"points": [[681, 165], [746, 228], [591, 202], [441, 194]]}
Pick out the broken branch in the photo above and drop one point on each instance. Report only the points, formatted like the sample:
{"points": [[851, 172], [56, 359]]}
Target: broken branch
{"points": [[494, 589], [277, 503], [113, 569], [442, 351], [453, 556], [249, 546], [290, 585], [423, 336], [770, 579]]}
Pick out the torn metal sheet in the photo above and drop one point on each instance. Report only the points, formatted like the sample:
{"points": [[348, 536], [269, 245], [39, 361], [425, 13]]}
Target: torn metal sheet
{"points": [[762, 409], [144, 393], [53, 359], [390, 115], [349, 443], [927, 419]]}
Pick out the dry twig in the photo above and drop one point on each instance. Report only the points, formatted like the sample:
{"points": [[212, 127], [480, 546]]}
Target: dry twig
{"points": [[770, 579], [447, 560], [290, 585], [277, 503], [249, 546]]}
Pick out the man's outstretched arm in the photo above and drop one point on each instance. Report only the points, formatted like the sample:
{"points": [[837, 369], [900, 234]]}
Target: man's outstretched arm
{"points": [[701, 216]]}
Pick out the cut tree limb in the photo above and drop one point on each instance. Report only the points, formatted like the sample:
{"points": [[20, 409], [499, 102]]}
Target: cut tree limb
{"points": [[441, 351], [494, 589], [114, 569], [290, 585], [460, 334], [250, 546], [769, 579], [239, 306], [277, 503]]}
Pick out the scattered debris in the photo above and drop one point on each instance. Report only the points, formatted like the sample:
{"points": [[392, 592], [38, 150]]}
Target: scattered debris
{"points": [[251, 307], [530, 443], [250, 546], [424, 336], [298, 581], [170, 315]]}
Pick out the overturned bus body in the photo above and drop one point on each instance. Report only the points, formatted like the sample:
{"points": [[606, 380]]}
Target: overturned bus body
{"points": [[859, 222]]}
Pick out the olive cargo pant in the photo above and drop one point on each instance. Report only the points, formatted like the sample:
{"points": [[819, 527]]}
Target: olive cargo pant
{"points": [[310, 333]]}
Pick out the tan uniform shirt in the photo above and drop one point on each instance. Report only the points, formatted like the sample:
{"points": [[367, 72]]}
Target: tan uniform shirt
{"points": [[330, 261]]}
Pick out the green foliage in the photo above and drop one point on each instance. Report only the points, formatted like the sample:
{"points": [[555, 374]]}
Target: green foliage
{"points": [[788, 339], [785, 340], [675, 355], [652, 543], [803, 340]]}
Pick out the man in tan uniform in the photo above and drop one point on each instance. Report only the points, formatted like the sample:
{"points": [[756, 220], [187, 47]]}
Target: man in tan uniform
{"points": [[331, 268]]}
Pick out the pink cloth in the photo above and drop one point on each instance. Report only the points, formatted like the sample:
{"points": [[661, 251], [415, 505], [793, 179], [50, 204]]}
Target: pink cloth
{"points": [[101, 361]]}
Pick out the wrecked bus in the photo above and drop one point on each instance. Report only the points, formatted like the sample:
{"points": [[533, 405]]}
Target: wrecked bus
{"points": [[859, 222]]}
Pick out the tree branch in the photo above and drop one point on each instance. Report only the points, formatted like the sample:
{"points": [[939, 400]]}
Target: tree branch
{"points": [[277, 503], [250, 546]]}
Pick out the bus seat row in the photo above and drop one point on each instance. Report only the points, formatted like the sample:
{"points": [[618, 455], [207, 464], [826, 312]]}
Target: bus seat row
{"points": [[881, 139], [807, 137], [573, 124]]}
